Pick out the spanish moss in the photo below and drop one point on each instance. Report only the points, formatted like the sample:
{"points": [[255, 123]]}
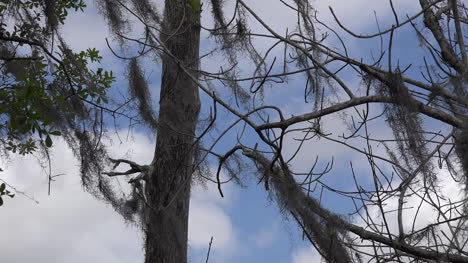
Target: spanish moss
{"points": [[139, 90]]}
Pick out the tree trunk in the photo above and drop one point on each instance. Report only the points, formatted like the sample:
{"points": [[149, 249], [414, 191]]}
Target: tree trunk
{"points": [[168, 185]]}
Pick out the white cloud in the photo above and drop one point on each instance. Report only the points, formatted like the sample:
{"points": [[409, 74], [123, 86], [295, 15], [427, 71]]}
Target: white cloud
{"points": [[416, 213], [69, 226], [328, 150], [210, 192], [208, 218], [359, 14], [72, 226], [421, 213], [86, 29], [356, 14], [206, 221]]}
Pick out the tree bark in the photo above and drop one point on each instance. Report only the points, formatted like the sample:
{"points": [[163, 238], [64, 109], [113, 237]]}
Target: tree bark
{"points": [[168, 185]]}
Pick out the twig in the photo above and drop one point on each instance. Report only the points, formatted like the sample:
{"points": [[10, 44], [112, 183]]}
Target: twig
{"points": [[209, 249]]}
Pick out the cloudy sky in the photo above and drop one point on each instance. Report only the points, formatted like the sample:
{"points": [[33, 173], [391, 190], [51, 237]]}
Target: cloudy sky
{"points": [[71, 226]]}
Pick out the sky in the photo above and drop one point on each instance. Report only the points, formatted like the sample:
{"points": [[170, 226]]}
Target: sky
{"points": [[72, 226]]}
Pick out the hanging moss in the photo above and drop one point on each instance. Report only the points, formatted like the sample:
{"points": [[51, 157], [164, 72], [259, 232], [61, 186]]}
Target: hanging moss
{"points": [[50, 7], [218, 13], [403, 118], [147, 11], [461, 149], [114, 15], [139, 90]]}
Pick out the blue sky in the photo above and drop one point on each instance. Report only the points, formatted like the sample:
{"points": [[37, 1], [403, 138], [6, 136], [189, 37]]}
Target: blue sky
{"points": [[71, 226]]}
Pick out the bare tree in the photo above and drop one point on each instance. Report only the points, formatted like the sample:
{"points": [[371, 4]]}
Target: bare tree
{"points": [[390, 93], [408, 98]]}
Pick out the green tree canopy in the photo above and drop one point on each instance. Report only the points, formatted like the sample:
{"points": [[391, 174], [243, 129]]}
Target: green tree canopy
{"points": [[46, 89]]}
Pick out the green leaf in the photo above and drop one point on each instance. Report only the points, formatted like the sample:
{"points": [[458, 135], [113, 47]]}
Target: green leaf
{"points": [[1, 201], [48, 141], [56, 133], [2, 187]]}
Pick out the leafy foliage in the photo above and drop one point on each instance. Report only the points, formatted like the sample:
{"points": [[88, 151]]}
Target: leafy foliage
{"points": [[4, 192], [44, 84], [33, 81]]}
